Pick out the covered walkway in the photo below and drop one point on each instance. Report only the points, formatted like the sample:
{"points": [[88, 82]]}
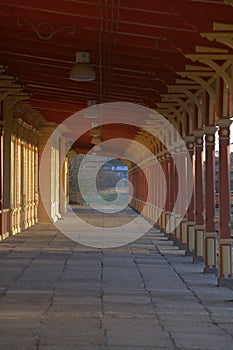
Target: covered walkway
{"points": [[158, 77], [58, 294], [148, 83]]}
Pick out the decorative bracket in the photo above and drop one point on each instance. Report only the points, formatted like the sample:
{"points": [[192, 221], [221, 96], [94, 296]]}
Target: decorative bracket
{"points": [[228, 2], [207, 80], [215, 62], [2, 68], [194, 97], [225, 38], [8, 87], [12, 100], [184, 103]]}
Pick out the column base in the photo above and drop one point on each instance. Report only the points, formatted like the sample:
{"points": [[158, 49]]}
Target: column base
{"points": [[225, 258], [198, 259], [176, 242], [225, 282], [183, 234], [4, 236], [58, 215], [189, 252], [190, 237], [170, 237], [210, 270]]}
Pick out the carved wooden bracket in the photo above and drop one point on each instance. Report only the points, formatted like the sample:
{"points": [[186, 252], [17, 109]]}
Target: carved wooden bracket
{"points": [[221, 64]]}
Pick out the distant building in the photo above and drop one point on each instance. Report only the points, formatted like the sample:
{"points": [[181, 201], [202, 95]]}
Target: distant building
{"points": [[111, 173]]}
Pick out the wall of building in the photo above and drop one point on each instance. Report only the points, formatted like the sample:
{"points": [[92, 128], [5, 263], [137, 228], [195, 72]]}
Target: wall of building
{"points": [[22, 141], [19, 171]]}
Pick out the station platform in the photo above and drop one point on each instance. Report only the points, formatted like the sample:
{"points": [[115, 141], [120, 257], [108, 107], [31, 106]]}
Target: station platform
{"points": [[58, 294]]}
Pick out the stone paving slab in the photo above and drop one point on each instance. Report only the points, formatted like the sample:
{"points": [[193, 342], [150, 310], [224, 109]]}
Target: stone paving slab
{"points": [[72, 346], [58, 294], [13, 342]]}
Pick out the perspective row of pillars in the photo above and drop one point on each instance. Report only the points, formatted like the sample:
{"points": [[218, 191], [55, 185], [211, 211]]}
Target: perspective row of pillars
{"points": [[21, 205], [194, 231]]}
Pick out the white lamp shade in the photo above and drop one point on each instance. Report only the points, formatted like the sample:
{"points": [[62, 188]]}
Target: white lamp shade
{"points": [[95, 132], [92, 111], [95, 140], [82, 70]]}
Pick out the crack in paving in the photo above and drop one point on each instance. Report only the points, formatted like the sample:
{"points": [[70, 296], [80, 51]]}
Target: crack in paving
{"points": [[151, 301], [120, 319], [27, 266], [102, 299], [16, 279], [192, 291], [46, 312]]}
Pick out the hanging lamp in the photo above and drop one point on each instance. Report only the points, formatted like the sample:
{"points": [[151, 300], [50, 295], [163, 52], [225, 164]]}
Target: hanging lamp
{"points": [[82, 70]]}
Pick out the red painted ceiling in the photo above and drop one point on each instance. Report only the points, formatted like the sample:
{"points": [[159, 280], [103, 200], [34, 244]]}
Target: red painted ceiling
{"points": [[136, 47]]}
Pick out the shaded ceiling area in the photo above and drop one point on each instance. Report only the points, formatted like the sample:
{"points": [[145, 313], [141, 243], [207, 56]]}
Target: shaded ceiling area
{"points": [[136, 47]]}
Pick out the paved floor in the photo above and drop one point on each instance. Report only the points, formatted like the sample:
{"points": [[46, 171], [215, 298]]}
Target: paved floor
{"points": [[57, 294]]}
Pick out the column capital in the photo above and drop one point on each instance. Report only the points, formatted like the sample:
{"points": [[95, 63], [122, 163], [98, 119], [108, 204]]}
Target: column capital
{"points": [[224, 128], [189, 140], [198, 133], [210, 135], [162, 157], [167, 155], [177, 148], [225, 241], [199, 142], [199, 227], [183, 149], [210, 129], [224, 122], [1, 127], [171, 148], [210, 234]]}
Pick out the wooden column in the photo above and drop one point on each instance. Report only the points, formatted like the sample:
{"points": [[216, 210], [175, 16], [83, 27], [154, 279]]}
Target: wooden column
{"points": [[225, 241], [199, 204], [1, 183], [1, 167], [166, 204], [177, 199], [156, 193], [154, 179], [63, 176], [7, 161], [184, 178], [135, 177], [168, 197], [49, 184], [159, 191], [150, 194], [171, 196], [150, 191], [190, 211], [210, 232], [36, 154], [145, 194], [162, 192]]}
